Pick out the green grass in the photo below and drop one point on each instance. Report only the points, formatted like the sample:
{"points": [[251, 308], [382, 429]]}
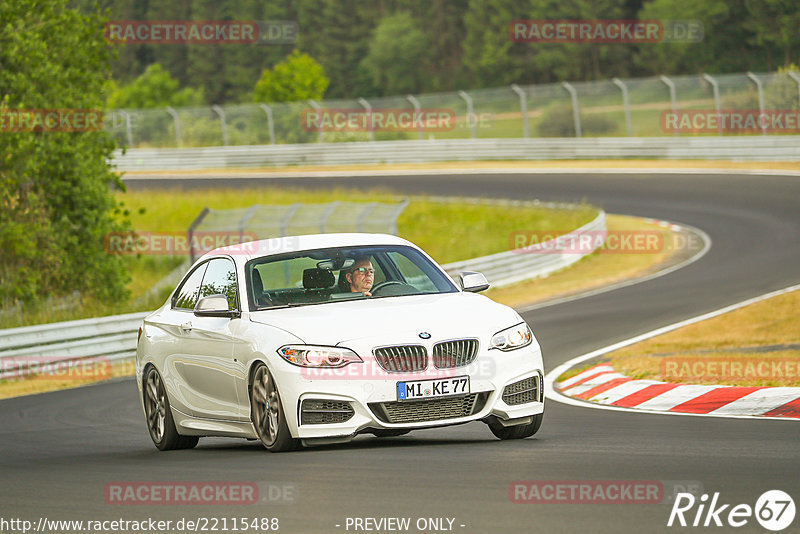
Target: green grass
{"points": [[726, 338], [145, 272], [699, 352], [447, 231]]}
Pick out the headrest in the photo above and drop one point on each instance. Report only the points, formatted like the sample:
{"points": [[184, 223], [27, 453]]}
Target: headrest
{"points": [[317, 279]]}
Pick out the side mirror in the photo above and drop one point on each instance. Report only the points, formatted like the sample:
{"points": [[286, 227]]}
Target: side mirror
{"points": [[473, 282], [214, 306]]}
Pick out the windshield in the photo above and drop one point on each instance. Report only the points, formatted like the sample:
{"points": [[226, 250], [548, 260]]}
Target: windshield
{"points": [[338, 274]]}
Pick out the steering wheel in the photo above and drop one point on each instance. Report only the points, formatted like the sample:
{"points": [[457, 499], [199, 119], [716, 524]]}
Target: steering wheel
{"points": [[389, 283]]}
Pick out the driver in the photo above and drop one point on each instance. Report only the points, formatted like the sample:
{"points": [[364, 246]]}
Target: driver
{"points": [[361, 276]]}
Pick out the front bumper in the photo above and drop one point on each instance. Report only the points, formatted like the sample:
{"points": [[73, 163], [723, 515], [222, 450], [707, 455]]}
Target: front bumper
{"points": [[362, 397]]}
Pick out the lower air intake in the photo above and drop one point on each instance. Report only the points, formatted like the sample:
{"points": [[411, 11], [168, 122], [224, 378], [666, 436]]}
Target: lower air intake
{"points": [[522, 392], [429, 410], [322, 412]]}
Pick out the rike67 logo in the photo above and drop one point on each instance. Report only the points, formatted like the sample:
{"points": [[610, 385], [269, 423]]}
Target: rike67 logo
{"points": [[774, 510]]}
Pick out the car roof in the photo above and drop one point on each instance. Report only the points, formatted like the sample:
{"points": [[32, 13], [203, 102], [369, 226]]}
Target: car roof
{"points": [[279, 245]]}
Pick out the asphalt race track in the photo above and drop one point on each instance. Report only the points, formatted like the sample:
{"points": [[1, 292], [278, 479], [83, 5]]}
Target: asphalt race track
{"points": [[59, 450]]}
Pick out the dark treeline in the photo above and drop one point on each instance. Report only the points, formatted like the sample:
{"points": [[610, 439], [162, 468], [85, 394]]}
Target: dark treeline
{"points": [[384, 47]]}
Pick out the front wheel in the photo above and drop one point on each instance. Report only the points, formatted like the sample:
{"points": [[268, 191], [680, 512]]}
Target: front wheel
{"points": [[517, 431], [267, 413], [159, 416]]}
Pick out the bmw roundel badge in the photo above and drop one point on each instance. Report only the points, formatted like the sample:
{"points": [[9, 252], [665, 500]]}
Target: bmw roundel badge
{"points": [[424, 335]]}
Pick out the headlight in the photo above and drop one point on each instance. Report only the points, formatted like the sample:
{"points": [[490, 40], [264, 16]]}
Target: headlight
{"points": [[512, 338], [318, 356]]}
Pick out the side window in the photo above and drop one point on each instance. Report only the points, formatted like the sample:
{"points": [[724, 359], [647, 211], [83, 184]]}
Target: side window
{"points": [[413, 274], [380, 276], [186, 297], [220, 278]]}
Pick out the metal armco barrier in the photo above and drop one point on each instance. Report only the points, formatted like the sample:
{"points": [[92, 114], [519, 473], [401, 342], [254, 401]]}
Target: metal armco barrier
{"points": [[734, 148], [114, 337]]}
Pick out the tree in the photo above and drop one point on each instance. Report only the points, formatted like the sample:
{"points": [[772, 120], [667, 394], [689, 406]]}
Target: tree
{"points": [[396, 55], [724, 47], [206, 65], [298, 77], [55, 201], [344, 39], [490, 56], [173, 57], [775, 24], [442, 22], [578, 61], [154, 88]]}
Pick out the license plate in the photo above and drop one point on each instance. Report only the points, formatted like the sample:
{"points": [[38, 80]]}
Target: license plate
{"points": [[428, 389]]}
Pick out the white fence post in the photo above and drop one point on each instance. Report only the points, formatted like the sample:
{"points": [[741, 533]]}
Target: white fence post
{"points": [[470, 113], [218, 110], [368, 108], [523, 107], [717, 103], [576, 112], [673, 98], [760, 88], [417, 115], [174, 115], [270, 124], [626, 104]]}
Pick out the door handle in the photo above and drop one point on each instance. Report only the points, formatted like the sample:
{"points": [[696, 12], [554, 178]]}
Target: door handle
{"points": [[187, 326]]}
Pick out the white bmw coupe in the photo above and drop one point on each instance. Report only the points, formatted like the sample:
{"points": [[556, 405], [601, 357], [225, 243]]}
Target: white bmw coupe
{"points": [[315, 339]]}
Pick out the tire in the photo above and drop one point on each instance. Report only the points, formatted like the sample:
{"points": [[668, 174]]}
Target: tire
{"points": [[517, 431], [266, 411], [158, 415]]}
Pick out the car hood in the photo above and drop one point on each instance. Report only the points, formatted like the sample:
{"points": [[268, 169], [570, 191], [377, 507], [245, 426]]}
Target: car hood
{"points": [[393, 319]]}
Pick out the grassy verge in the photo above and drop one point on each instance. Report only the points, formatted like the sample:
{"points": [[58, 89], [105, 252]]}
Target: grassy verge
{"points": [[145, 272], [44, 383], [447, 231], [758, 345], [596, 270]]}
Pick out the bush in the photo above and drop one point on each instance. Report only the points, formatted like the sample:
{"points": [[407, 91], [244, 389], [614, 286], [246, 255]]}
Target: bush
{"points": [[558, 121]]}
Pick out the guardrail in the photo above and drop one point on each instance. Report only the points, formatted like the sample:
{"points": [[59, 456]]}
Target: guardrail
{"points": [[752, 148], [113, 338]]}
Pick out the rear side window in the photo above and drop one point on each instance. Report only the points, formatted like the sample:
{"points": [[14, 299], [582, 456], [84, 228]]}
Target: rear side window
{"points": [[220, 279], [187, 295]]}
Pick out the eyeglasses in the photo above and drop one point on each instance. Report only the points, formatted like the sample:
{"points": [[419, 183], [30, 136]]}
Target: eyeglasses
{"points": [[364, 270]]}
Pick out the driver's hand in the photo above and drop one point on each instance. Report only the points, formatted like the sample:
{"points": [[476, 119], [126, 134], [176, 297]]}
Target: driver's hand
{"points": [[367, 294]]}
